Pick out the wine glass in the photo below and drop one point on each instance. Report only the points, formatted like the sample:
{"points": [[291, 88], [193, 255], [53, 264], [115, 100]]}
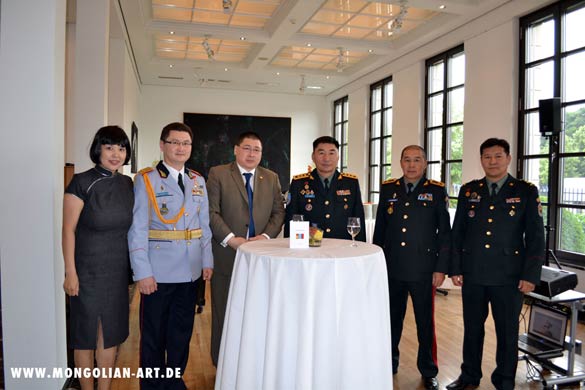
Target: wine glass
{"points": [[353, 228]]}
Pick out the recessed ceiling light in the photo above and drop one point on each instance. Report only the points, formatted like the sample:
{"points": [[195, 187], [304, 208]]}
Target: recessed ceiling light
{"points": [[225, 69], [242, 38], [327, 77], [170, 65], [309, 44], [314, 87], [442, 6], [172, 32], [278, 73], [370, 51]]}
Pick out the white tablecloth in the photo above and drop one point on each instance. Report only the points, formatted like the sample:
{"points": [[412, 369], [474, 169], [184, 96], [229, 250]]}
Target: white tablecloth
{"points": [[303, 319]]}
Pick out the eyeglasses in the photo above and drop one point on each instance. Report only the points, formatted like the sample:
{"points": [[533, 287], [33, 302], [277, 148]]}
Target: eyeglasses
{"points": [[249, 149], [176, 143]]}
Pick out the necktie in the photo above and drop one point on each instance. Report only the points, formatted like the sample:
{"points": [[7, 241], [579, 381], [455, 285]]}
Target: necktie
{"points": [[251, 229], [180, 181], [494, 189], [409, 190], [326, 182]]}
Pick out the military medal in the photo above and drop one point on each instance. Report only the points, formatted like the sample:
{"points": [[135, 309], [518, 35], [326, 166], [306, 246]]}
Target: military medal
{"points": [[471, 213], [308, 207], [512, 213], [346, 206], [163, 209], [390, 210]]}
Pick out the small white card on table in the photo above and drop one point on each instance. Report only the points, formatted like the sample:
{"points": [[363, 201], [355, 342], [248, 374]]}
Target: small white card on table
{"points": [[299, 234]]}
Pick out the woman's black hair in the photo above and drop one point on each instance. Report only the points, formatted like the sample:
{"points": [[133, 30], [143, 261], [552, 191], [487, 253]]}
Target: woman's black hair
{"points": [[109, 135]]}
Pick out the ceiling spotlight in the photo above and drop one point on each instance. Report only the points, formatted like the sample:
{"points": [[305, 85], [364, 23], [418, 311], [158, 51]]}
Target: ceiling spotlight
{"points": [[309, 44], [278, 73], [171, 66], [396, 24], [227, 6], [172, 32], [340, 60], [370, 51], [210, 53], [225, 69], [442, 6], [327, 77], [242, 38], [303, 86]]}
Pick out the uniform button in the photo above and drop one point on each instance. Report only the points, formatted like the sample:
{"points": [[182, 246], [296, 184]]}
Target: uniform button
{"points": [[188, 242], [186, 214], [490, 220], [326, 202], [157, 247], [403, 243], [407, 204], [487, 246], [492, 207], [308, 200], [403, 230], [488, 233], [516, 252], [328, 230], [405, 216], [327, 216]]}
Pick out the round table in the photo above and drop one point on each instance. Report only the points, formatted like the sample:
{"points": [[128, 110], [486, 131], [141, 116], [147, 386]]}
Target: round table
{"points": [[312, 318]]}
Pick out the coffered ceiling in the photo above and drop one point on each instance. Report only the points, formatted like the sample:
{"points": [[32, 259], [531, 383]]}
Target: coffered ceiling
{"points": [[287, 46]]}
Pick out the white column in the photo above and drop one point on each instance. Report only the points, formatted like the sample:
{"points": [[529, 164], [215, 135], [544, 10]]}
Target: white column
{"points": [[358, 117], [32, 67], [90, 86], [116, 84]]}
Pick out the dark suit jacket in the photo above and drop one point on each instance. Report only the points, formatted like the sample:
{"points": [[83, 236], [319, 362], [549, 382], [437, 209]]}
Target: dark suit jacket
{"points": [[500, 240], [328, 209], [413, 229], [228, 209]]}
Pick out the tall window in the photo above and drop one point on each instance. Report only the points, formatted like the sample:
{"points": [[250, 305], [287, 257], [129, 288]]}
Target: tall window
{"points": [[444, 96], [340, 129], [552, 60], [380, 136]]}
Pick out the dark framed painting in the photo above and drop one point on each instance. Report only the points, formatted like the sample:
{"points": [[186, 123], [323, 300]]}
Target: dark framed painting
{"points": [[134, 147], [216, 134]]}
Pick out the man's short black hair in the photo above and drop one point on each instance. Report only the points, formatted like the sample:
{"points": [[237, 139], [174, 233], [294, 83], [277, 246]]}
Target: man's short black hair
{"points": [[248, 134], [325, 140], [109, 135], [491, 142], [176, 126]]}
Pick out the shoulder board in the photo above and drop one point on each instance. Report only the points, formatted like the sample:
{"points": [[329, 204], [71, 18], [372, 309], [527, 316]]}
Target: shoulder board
{"points": [[437, 183], [527, 183], [144, 171], [389, 181], [349, 175], [194, 172], [302, 176]]}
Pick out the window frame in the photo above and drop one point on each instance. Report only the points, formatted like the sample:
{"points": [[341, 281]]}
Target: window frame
{"points": [[553, 200], [444, 162], [374, 183], [340, 130]]}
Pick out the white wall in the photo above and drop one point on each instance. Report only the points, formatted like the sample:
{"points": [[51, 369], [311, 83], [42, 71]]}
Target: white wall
{"points": [[32, 87], [162, 105]]}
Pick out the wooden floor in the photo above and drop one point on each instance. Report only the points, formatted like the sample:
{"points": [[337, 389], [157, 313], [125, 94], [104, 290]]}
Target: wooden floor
{"points": [[200, 373]]}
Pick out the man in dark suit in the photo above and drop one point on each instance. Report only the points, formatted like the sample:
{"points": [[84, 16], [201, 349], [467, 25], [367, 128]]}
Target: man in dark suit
{"points": [[231, 187], [412, 225], [324, 196], [498, 251]]}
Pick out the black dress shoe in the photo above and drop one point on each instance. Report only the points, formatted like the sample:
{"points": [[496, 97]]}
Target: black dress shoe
{"points": [[459, 384], [431, 383]]}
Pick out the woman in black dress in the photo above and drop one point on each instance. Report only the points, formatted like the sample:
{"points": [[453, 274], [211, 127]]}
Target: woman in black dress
{"points": [[97, 213]]}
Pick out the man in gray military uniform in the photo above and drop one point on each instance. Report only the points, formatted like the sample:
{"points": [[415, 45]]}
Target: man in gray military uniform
{"points": [[170, 250]]}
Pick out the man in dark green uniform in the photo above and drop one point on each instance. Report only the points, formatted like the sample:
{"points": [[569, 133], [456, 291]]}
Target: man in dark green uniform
{"points": [[412, 225], [498, 251], [324, 196]]}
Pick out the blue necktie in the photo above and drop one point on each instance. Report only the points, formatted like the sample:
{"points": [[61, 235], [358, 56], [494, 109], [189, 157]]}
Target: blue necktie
{"points": [[251, 229]]}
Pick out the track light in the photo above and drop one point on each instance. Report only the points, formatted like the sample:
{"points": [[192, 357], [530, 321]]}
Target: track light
{"points": [[210, 53], [340, 60], [227, 6]]}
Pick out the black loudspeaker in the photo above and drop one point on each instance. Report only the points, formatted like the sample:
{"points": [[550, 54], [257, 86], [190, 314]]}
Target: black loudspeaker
{"points": [[549, 115]]}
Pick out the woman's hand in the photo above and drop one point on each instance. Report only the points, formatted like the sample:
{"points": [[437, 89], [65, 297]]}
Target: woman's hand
{"points": [[71, 284]]}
